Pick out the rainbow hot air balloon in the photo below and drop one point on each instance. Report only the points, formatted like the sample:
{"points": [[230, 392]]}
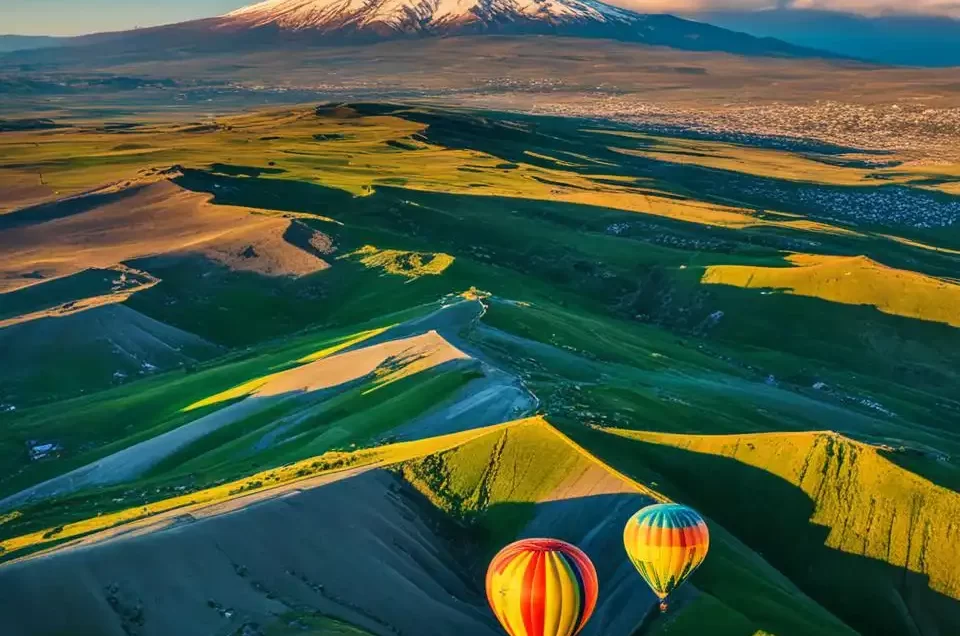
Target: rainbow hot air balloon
{"points": [[542, 587], [666, 543]]}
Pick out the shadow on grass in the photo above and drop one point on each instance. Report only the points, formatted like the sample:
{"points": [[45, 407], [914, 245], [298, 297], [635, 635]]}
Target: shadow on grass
{"points": [[595, 524], [234, 170], [919, 353], [772, 516], [64, 208], [574, 251]]}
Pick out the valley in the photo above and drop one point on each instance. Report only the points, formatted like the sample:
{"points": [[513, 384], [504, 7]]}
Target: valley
{"points": [[323, 361]]}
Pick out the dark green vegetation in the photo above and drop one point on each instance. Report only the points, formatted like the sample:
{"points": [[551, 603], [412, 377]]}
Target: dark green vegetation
{"points": [[312, 625], [864, 565], [536, 265]]}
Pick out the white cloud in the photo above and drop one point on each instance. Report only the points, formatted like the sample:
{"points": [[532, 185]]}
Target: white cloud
{"points": [[693, 6], [864, 7], [884, 7]]}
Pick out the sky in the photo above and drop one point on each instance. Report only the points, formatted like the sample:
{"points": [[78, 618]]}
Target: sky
{"points": [[73, 17], [863, 7]]}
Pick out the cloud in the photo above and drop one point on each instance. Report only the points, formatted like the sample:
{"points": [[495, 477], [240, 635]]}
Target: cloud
{"points": [[884, 7], [864, 7], [695, 6]]}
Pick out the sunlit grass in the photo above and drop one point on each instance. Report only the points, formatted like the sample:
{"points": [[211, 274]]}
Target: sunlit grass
{"points": [[345, 343], [262, 481], [410, 265], [528, 461], [355, 154], [251, 386], [923, 246], [854, 280], [871, 506], [849, 169], [237, 392]]}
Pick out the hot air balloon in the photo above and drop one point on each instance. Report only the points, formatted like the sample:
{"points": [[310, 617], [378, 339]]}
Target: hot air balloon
{"points": [[666, 543], [542, 587]]}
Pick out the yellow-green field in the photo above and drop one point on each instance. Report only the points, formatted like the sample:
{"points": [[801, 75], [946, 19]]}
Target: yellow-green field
{"points": [[830, 512], [343, 151], [839, 170], [870, 506], [324, 362], [855, 280]]}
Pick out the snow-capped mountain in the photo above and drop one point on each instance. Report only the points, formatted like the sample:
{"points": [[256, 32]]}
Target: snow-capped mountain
{"points": [[303, 23], [337, 20], [422, 16]]}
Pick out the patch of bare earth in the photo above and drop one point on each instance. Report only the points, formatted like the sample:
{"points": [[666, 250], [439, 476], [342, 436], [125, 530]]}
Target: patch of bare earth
{"points": [[104, 229]]}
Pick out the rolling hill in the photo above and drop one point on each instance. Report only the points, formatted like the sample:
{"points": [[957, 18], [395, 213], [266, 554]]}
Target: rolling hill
{"points": [[427, 514], [391, 338], [850, 522], [113, 343]]}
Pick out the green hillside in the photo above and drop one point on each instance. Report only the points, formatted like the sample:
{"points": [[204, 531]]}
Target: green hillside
{"points": [[500, 483], [309, 625], [324, 362], [494, 485], [863, 536]]}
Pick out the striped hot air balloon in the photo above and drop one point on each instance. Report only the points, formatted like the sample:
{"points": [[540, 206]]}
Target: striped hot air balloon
{"points": [[666, 543], [542, 587]]}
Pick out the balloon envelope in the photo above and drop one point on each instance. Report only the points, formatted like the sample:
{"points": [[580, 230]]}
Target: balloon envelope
{"points": [[542, 587], [666, 543]]}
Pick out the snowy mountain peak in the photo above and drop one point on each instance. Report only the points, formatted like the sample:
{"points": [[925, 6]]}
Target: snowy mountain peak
{"points": [[402, 16]]}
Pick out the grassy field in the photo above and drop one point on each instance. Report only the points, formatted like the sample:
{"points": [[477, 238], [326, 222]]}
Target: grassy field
{"points": [[496, 481], [852, 281], [675, 330], [847, 169], [357, 156], [108, 421], [853, 529], [312, 625]]}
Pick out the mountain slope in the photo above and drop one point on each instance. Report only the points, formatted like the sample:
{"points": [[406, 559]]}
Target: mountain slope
{"points": [[423, 16], [297, 23], [24, 42], [862, 535], [377, 555], [404, 525], [112, 343], [119, 223], [585, 18], [892, 39]]}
